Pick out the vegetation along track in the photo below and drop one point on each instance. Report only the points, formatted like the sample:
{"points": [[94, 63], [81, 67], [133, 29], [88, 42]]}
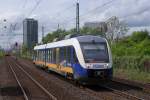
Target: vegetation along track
{"points": [[34, 90]]}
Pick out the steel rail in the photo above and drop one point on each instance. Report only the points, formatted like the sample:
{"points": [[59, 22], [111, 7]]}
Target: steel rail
{"points": [[116, 91], [16, 78], [37, 83], [123, 93]]}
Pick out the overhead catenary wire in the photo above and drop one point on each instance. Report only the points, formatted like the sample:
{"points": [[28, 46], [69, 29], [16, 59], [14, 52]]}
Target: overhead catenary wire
{"points": [[34, 8], [70, 20], [15, 23], [24, 5], [55, 19]]}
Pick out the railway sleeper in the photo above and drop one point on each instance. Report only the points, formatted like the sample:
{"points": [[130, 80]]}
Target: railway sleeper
{"points": [[11, 91]]}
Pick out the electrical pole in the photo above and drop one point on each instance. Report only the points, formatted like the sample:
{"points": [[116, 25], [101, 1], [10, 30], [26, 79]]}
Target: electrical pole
{"points": [[58, 27], [42, 32], [77, 18]]}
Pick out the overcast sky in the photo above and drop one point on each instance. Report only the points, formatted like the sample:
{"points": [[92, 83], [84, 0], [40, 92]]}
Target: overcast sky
{"points": [[50, 13]]}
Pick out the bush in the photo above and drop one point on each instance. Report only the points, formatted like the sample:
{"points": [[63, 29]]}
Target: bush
{"points": [[139, 36], [138, 44], [132, 62], [145, 63]]}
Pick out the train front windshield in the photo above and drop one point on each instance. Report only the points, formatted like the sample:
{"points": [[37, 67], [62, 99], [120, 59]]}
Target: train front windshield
{"points": [[95, 52]]}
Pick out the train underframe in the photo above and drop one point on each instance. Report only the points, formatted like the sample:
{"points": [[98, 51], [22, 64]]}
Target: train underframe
{"points": [[85, 76]]}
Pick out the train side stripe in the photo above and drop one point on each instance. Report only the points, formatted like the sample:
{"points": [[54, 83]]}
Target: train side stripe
{"points": [[55, 67]]}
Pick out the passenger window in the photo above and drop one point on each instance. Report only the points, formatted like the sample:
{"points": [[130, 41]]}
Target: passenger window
{"points": [[54, 55]]}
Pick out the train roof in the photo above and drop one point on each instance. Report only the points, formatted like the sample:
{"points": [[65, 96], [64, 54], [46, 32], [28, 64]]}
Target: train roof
{"points": [[71, 42], [90, 38]]}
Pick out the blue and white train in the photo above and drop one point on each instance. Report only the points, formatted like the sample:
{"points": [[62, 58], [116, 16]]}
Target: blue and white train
{"points": [[86, 59]]}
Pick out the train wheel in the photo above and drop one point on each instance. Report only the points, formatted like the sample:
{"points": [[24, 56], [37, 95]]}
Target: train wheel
{"points": [[46, 68], [77, 83], [69, 76]]}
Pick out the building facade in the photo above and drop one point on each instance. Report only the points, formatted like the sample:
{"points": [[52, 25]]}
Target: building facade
{"points": [[102, 26], [107, 26], [30, 32]]}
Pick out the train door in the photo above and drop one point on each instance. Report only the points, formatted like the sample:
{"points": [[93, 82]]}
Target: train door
{"points": [[69, 56], [62, 56]]}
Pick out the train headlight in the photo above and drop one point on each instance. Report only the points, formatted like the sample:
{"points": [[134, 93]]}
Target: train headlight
{"points": [[89, 65], [106, 65]]}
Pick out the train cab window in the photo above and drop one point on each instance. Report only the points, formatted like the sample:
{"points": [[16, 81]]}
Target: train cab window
{"points": [[95, 52]]}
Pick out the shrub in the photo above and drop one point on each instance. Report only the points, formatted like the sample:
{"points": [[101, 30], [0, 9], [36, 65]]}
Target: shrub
{"points": [[132, 62], [145, 63]]}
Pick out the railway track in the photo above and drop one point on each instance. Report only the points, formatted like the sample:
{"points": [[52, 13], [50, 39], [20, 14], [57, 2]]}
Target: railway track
{"points": [[102, 96], [124, 94], [13, 65], [20, 85], [132, 92], [121, 90], [112, 93]]}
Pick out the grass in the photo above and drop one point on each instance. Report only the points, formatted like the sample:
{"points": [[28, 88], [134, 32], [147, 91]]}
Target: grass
{"points": [[132, 74]]}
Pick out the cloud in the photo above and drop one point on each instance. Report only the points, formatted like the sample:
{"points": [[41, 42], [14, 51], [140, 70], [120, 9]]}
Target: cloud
{"points": [[134, 12], [51, 13]]}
